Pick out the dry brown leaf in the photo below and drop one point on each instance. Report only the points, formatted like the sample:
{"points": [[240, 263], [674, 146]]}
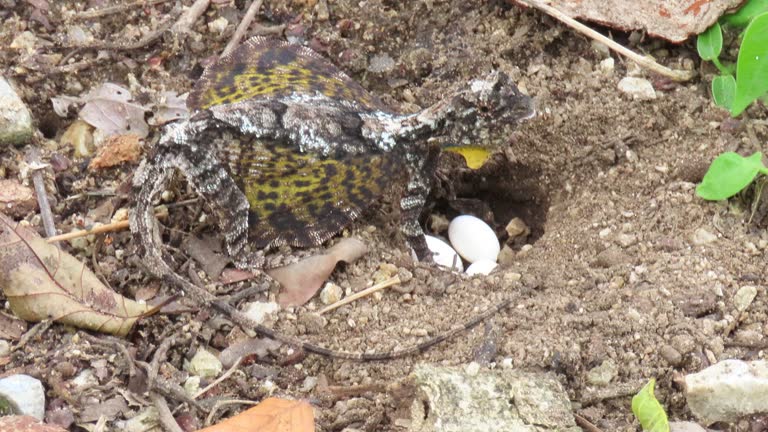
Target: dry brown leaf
{"points": [[42, 282], [107, 107], [116, 150], [271, 415], [300, 281]]}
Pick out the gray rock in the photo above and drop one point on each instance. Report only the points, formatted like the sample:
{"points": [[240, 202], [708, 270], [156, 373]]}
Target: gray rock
{"points": [[25, 395], [685, 427], [728, 390], [15, 119], [449, 400]]}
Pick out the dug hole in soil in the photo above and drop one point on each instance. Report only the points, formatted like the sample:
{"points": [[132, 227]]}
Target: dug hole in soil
{"points": [[615, 272]]}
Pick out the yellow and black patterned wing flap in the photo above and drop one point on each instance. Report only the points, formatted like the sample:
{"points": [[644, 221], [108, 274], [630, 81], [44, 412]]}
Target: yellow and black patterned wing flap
{"points": [[302, 199], [270, 68]]}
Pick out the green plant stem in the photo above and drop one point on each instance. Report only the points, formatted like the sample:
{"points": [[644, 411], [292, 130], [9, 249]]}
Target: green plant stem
{"points": [[724, 70]]}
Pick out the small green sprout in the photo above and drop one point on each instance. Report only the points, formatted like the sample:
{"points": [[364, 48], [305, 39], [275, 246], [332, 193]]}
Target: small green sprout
{"points": [[729, 174], [751, 69], [649, 411]]}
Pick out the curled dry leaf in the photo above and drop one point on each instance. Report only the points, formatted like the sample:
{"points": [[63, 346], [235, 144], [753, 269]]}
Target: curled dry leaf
{"points": [[42, 282], [108, 108], [301, 280], [271, 415]]}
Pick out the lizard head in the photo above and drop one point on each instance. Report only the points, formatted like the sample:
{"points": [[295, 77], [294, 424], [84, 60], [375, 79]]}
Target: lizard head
{"points": [[496, 98], [482, 113]]}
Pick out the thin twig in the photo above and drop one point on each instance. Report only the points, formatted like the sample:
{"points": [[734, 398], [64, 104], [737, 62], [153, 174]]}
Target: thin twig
{"points": [[164, 413], [141, 43], [36, 172], [226, 375], [253, 9], [157, 359], [586, 424], [114, 343], [110, 10], [190, 16], [676, 75], [110, 227], [366, 292], [37, 329]]}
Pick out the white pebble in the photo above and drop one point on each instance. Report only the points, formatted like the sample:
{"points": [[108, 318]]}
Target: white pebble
{"points": [[331, 293], [258, 311], [482, 267], [473, 239], [25, 395], [443, 254]]}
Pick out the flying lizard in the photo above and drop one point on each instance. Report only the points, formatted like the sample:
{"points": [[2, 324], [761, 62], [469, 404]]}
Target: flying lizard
{"points": [[286, 149]]}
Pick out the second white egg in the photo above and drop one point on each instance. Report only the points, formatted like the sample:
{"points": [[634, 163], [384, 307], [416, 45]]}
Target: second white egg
{"points": [[473, 239]]}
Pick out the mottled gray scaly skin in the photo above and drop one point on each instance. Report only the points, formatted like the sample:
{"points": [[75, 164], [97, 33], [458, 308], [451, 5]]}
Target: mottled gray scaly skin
{"points": [[286, 149]]}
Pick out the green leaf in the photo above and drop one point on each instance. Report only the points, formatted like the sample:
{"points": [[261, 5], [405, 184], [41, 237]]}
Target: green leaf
{"points": [[723, 91], [710, 43], [729, 174], [746, 13], [649, 411], [752, 65]]}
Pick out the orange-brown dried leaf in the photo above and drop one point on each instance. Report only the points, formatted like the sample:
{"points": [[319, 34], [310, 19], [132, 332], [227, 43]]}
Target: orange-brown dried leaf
{"points": [[271, 415], [116, 150], [42, 282]]}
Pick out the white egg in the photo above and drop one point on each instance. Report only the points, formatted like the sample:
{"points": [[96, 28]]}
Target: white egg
{"points": [[443, 253], [482, 267], [473, 239]]}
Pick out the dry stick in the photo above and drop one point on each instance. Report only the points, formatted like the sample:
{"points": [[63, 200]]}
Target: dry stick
{"points": [[110, 227], [586, 424], [253, 9], [36, 172], [96, 13], [164, 413], [676, 75], [366, 292], [190, 16]]}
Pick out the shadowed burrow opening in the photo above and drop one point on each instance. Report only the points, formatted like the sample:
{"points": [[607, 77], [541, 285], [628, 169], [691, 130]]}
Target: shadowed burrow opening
{"points": [[498, 192]]}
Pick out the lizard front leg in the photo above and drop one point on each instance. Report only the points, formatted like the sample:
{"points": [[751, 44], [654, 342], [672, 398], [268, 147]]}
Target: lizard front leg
{"points": [[421, 169]]}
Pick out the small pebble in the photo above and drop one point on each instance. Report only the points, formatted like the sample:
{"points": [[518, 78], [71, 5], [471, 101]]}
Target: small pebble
{"points": [[205, 365], [744, 297], [702, 237], [258, 311], [443, 254], [517, 228], [25, 394], [671, 355], [603, 375], [218, 25], [607, 66], [638, 88], [473, 239], [331, 293]]}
